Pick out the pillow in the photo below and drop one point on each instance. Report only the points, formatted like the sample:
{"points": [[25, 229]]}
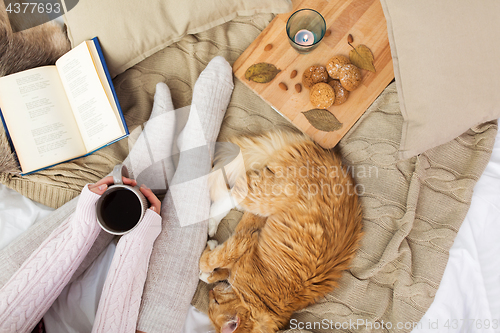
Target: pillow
{"points": [[129, 31], [445, 55]]}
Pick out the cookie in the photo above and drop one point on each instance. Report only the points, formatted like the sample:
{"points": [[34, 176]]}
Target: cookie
{"points": [[350, 77], [334, 64], [341, 93], [313, 75], [322, 95]]}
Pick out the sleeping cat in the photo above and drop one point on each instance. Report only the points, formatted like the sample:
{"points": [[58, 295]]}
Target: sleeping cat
{"points": [[300, 229]]}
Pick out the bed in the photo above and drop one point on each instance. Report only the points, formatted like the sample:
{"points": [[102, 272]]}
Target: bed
{"points": [[468, 298], [458, 195]]}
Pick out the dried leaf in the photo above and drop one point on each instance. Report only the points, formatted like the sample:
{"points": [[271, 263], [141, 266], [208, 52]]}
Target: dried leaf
{"points": [[261, 72], [362, 57], [323, 120]]}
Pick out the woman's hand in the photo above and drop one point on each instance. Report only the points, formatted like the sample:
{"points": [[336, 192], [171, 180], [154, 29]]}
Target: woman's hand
{"points": [[102, 185], [153, 200]]}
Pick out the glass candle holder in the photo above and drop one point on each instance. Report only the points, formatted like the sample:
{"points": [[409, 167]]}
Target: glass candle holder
{"points": [[305, 29]]}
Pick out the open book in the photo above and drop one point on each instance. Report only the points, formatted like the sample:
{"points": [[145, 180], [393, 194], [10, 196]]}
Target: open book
{"points": [[53, 114]]}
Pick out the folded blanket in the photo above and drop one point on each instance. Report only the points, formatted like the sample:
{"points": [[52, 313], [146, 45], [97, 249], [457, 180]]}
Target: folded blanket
{"points": [[412, 212]]}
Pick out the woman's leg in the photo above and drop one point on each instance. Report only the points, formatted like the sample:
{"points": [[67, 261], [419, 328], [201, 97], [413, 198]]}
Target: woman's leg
{"points": [[173, 270]]}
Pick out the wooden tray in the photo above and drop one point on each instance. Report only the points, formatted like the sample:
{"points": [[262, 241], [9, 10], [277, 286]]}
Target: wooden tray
{"points": [[364, 20]]}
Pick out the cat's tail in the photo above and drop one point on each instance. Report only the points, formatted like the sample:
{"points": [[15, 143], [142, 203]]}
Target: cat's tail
{"points": [[345, 241]]}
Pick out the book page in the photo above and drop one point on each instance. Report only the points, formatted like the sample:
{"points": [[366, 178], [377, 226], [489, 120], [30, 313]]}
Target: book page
{"points": [[91, 106], [104, 81], [39, 118]]}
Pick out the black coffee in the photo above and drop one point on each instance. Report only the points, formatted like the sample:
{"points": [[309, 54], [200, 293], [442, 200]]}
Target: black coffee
{"points": [[121, 210]]}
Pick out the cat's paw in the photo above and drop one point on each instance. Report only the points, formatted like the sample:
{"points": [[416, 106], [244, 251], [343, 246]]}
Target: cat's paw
{"points": [[204, 276], [218, 210], [212, 244], [205, 262], [205, 271], [219, 274], [213, 225]]}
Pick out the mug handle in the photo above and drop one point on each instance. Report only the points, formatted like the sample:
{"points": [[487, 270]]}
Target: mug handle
{"points": [[119, 171]]}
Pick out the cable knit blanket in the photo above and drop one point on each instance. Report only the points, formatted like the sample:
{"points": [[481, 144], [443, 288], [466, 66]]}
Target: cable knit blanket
{"points": [[413, 208], [412, 212]]}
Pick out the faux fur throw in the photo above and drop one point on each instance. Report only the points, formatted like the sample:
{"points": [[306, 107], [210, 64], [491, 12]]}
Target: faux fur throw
{"points": [[8, 163], [38, 46]]}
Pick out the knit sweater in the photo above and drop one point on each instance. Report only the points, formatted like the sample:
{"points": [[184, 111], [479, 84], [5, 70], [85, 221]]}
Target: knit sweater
{"points": [[30, 292]]}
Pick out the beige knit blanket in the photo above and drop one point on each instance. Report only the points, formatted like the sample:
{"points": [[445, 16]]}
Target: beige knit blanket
{"points": [[412, 212], [413, 208]]}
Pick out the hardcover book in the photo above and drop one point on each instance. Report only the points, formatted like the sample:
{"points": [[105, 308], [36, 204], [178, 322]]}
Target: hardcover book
{"points": [[53, 114]]}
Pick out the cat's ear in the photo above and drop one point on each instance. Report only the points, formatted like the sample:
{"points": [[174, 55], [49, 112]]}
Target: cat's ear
{"points": [[230, 326]]}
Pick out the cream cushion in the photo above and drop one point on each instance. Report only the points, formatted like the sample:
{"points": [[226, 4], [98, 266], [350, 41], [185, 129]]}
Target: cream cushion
{"points": [[129, 31], [446, 65]]}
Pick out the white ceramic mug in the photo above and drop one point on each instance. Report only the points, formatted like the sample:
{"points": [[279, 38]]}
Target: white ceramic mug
{"points": [[121, 207]]}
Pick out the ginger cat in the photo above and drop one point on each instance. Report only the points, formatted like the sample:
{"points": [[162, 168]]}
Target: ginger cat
{"points": [[301, 228]]}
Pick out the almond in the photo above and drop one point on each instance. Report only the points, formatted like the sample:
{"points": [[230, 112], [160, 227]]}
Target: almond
{"points": [[298, 87], [293, 74], [328, 33], [283, 86], [268, 47]]}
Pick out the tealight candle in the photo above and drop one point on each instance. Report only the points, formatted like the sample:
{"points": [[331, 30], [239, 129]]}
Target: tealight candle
{"points": [[304, 37], [305, 29]]}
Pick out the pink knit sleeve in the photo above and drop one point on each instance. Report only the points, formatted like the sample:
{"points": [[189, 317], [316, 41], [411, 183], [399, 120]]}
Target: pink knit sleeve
{"points": [[121, 296], [30, 292]]}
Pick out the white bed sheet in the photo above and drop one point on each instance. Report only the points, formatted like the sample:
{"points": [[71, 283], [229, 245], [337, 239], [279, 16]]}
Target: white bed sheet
{"points": [[17, 214], [468, 298]]}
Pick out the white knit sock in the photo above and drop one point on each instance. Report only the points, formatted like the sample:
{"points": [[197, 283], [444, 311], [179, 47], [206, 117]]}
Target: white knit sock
{"points": [[211, 95], [173, 271], [150, 158], [196, 142]]}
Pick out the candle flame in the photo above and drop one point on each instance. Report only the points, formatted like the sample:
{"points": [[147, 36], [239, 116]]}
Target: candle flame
{"points": [[304, 37]]}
